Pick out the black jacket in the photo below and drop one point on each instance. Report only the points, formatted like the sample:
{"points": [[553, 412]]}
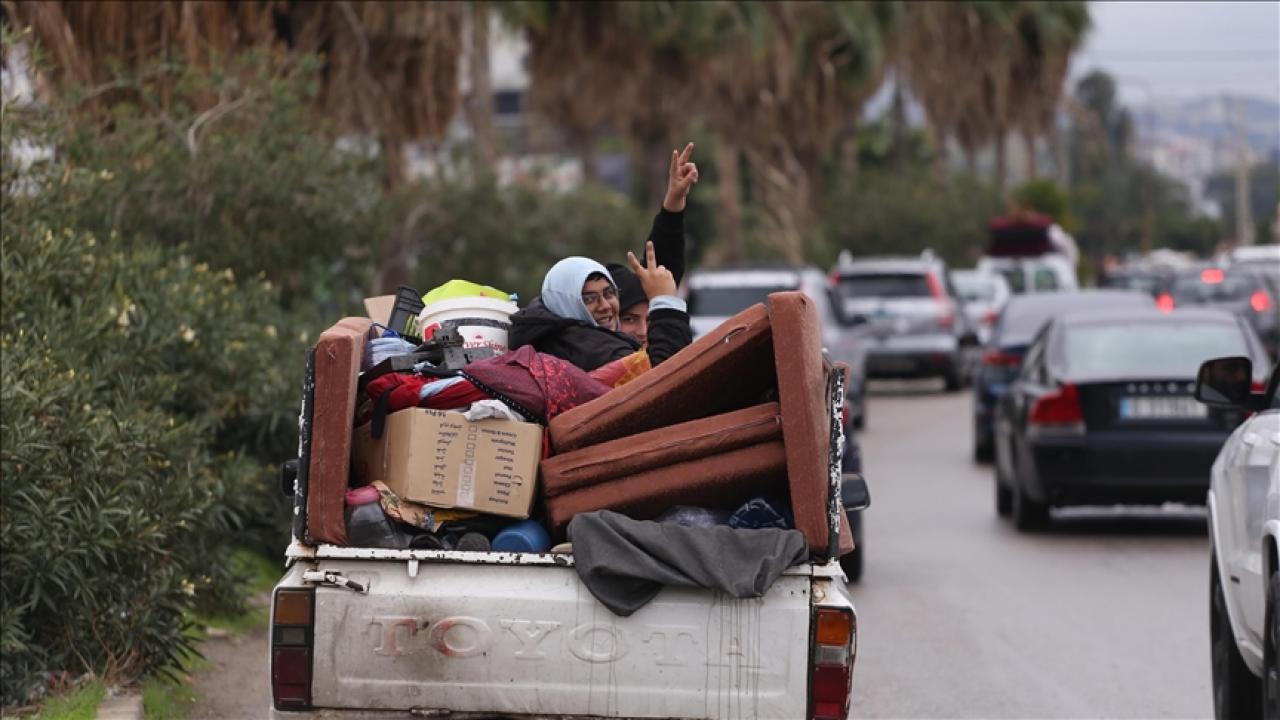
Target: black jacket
{"points": [[589, 346]]}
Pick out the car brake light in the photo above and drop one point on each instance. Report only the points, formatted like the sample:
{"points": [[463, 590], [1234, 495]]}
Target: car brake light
{"points": [[995, 358], [1260, 301], [292, 634], [1258, 386], [990, 318], [1212, 276], [1061, 408], [831, 667], [1164, 301]]}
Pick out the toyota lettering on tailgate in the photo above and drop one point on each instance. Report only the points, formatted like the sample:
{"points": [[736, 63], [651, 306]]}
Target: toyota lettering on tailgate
{"points": [[462, 636]]}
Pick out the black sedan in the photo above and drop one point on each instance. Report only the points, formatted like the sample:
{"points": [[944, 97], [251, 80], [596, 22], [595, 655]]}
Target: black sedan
{"points": [[1017, 325], [1103, 411]]}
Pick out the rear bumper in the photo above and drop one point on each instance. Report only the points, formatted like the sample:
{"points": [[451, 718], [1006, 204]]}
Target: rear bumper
{"points": [[886, 363], [1126, 468]]}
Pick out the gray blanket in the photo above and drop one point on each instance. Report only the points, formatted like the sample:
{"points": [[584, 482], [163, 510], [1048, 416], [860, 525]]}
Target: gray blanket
{"points": [[625, 562]]}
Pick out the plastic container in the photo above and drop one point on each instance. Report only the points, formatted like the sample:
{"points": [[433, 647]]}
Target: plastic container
{"points": [[483, 322], [368, 525], [524, 536]]}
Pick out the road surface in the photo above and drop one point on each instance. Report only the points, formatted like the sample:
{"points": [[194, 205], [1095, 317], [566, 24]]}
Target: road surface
{"points": [[961, 616]]}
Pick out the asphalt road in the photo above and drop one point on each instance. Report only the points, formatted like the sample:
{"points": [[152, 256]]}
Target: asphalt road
{"points": [[961, 616]]}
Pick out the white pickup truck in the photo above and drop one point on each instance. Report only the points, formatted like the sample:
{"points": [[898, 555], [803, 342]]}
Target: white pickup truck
{"points": [[365, 632]]}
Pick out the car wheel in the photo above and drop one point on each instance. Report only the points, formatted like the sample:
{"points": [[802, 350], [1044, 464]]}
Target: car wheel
{"points": [[1236, 691], [951, 376], [983, 452], [1271, 651], [1027, 513]]}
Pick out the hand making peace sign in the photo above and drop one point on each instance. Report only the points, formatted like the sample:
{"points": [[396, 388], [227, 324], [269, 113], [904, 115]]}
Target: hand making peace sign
{"points": [[681, 176]]}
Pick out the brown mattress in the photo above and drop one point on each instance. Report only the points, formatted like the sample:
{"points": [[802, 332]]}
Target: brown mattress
{"points": [[727, 369], [724, 480], [668, 446], [337, 366]]}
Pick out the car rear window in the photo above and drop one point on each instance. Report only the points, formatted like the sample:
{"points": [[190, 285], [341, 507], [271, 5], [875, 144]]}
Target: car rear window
{"points": [[1166, 349], [884, 285], [974, 288], [724, 301], [1213, 286]]}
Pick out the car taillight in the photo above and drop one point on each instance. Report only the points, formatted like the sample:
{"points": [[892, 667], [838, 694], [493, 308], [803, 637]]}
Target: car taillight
{"points": [[990, 318], [995, 358], [1164, 301], [292, 636], [1212, 276], [831, 667], [1059, 409], [1260, 301]]}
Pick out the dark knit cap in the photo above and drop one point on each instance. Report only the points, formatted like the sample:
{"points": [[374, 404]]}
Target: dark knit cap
{"points": [[630, 291]]}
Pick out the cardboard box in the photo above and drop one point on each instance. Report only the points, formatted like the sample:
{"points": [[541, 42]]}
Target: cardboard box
{"points": [[442, 459]]}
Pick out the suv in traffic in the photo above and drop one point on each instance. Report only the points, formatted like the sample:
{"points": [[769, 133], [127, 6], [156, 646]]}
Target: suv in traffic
{"points": [[916, 321]]}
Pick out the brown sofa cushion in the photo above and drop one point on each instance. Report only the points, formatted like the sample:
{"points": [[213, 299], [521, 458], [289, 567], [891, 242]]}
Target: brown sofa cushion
{"points": [[723, 480], [806, 419], [727, 369], [616, 461], [337, 366]]}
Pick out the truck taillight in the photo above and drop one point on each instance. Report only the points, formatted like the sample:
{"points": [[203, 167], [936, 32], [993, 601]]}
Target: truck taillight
{"points": [[292, 636], [831, 667]]}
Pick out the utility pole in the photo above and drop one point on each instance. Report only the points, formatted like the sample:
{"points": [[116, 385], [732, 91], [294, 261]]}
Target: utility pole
{"points": [[1244, 218]]}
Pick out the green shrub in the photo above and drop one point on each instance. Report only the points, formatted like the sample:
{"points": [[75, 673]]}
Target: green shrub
{"points": [[129, 378]]}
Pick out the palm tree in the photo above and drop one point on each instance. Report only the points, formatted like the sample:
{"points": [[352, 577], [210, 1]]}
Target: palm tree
{"points": [[1048, 33]]}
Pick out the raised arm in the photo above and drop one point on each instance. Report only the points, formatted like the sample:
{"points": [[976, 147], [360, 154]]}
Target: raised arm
{"points": [[667, 234]]}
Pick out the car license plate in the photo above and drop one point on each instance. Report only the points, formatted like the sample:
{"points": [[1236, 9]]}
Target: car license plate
{"points": [[1157, 408]]}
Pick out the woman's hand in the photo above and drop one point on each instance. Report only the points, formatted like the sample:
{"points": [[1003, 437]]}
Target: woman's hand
{"points": [[655, 279], [681, 177]]}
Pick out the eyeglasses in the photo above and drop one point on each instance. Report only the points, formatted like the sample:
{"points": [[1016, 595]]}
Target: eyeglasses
{"points": [[591, 298]]}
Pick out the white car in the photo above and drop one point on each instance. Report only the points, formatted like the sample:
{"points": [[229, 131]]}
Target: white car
{"points": [[1041, 273], [985, 295], [1244, 530]]}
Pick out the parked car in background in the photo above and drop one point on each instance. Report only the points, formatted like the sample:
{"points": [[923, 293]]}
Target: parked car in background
{"points": [[1048, 273], [1244, 537], [1244, 291], [916, 320], [984, 296], [1103, 411], [1149, 280], [716, 295], [1015, 328]]}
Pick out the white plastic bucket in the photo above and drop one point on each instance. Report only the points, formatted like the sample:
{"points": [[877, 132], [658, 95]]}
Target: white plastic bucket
{"points": [[481, 321]]}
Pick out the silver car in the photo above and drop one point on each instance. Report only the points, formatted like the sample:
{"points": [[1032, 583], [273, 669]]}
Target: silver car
{"points": [[716, 295], [914, 316]]}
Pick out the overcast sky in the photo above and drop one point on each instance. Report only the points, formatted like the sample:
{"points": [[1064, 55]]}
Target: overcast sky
{"points": [[1175, 50]]}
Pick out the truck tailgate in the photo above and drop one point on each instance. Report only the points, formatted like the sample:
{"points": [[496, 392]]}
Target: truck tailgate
{"points": [[520, 639]]}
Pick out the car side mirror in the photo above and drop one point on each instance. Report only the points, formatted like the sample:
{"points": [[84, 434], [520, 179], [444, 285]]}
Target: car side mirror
{"points": [[1226, 382], [854, 494]]}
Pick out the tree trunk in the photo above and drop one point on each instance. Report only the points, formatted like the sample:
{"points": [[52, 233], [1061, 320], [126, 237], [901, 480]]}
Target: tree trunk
{"points": [[587, 152], [971, 160], [1002, 159], [1058, 150], [729, 199], [938, 165], [1033, 164], [480, 103], [393, 263], [899, 115]]}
